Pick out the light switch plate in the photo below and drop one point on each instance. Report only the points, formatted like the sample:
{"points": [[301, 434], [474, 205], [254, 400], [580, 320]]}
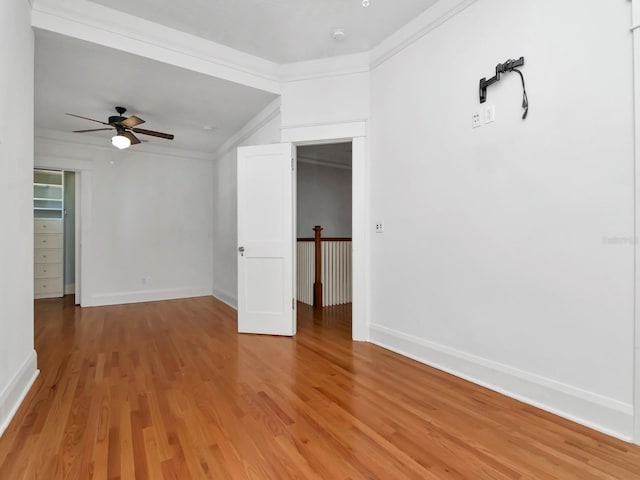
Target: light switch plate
{"points": [[489, 114]]}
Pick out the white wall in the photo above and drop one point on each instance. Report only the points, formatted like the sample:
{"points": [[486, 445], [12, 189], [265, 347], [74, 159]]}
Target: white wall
{"points": [[17, 356], [225, 211], [149, 216], [325, 100], [493, 263], [507, 255], [324, 198]]}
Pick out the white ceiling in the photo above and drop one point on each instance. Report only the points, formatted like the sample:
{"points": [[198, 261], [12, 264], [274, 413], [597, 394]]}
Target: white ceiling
{"points": [[90, 80], [282, 31]]}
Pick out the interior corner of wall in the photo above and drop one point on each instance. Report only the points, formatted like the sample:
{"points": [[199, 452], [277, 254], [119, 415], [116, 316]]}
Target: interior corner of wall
{"points": [[226, 298]]}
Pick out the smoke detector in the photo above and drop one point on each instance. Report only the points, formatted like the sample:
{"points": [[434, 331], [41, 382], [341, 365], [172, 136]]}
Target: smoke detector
{"points": [[366, 3], [338, 34]]}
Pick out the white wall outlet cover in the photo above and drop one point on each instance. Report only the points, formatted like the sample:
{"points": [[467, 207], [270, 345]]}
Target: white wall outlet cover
{"points": [[476, 119], [379, 227], [490, 114]]}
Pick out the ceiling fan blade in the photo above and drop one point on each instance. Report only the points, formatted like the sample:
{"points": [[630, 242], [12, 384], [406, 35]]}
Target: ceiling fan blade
{"points": [[168, 136], [91, 130], [132, 137], [86, 118], [132, 121]]}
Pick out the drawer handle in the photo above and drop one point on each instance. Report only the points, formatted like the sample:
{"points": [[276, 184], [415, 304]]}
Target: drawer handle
{"points": [[44, 226], [44, 256]]}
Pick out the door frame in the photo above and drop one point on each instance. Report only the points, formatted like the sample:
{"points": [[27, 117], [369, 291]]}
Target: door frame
{"points": [[356, 132], [83, 216], [635, 28]]}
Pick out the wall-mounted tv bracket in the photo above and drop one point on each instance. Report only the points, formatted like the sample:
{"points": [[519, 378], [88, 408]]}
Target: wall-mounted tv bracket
{"points": [[508, 66]]}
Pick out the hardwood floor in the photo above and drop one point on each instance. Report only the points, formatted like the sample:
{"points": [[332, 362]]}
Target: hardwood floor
{"points": [[169, 390]]}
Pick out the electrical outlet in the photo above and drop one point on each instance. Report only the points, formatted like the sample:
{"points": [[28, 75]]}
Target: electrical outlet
{"points": [[489, 114], [146, 280], [476, 120], [379, 227]]}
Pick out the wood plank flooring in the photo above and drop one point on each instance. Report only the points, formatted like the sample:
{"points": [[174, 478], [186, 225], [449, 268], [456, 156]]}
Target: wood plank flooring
{"points": [[169, 390]]}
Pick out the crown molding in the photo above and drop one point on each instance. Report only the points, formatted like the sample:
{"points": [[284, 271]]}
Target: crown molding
{"points": [[324, 67], [105, 26], [252, 126], [417, 28], [365, 62], [98, 24], [423, 24]]}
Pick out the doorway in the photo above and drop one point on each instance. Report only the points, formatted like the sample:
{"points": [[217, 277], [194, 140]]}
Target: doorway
{"points": [[54, 206], [74, 208], [324, 235], [266, 243], [356, 133]]}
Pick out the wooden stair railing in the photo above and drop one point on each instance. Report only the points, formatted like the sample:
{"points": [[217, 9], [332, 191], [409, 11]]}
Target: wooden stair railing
{"points": [[317, 283], [318, 287]]}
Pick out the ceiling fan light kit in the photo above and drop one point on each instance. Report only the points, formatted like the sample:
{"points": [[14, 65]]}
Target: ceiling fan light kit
{"points": [[124, 127], [120, 141]]}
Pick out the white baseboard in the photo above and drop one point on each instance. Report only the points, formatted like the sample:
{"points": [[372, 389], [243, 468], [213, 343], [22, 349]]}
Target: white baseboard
{"points": [[226, 297], [12, 396], [587, 408], [118, 298], [70, 288]]}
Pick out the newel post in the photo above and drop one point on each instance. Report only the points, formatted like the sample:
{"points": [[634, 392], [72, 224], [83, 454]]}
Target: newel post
{"points": [[317, 285]]}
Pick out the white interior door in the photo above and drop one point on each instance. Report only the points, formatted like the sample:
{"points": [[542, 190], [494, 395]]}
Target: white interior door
{"points": [[266, 185]]}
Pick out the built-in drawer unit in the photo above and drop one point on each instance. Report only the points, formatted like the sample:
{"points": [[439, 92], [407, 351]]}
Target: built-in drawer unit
{"points": [[48, 233], [47, 287], [47, 226], [47, 270], [48, 241], [42, 255]]}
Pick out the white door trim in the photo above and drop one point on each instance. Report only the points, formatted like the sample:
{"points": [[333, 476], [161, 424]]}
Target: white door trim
{"points": [[636, 252], [355, 131], [78, 239]]}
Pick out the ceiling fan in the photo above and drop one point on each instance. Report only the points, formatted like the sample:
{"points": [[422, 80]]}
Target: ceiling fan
{"points": [[124, 127]]}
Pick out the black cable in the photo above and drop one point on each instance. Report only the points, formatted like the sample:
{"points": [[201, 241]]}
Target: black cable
{"points": [[508, 66], [525, 100]]}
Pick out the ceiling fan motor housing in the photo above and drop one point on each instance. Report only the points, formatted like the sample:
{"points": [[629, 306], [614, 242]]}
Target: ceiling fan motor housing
{"points": [[116, 119]]}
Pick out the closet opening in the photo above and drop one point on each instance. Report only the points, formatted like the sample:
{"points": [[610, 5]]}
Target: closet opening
{"points": [[55, 218]]}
